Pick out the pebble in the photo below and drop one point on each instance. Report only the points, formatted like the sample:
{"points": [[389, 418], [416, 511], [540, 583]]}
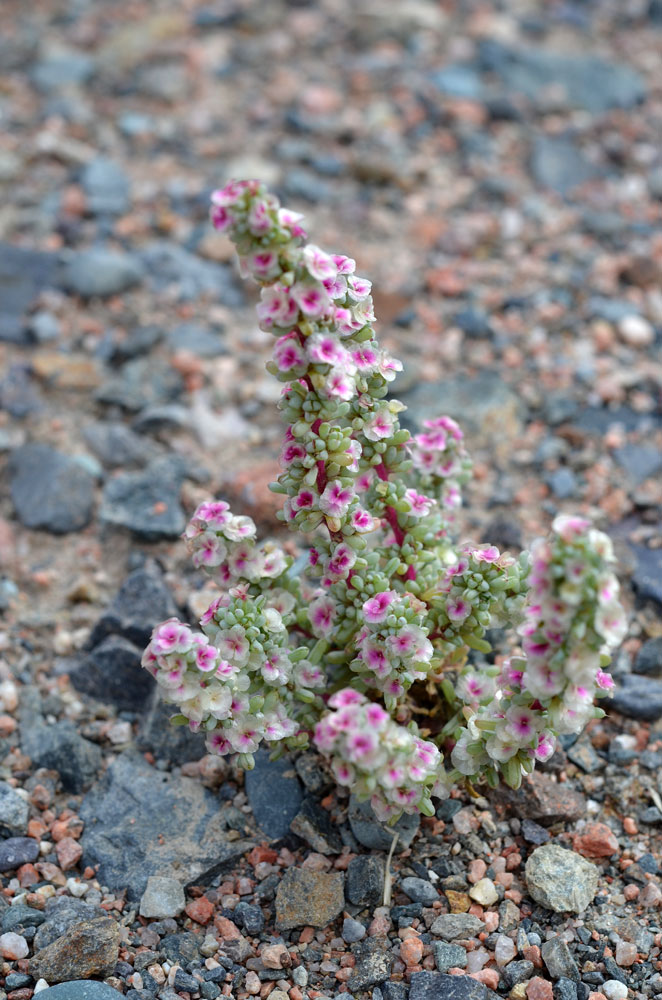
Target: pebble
{"points": [[100, 273], [352, 930], [558, 960], [484, 892], [615, 990], [561, 880], [87, 948], [448, 956], [419, 890], [14, 812], [364, 885], [539, 989], [456, 925], [306, 898], [596, 840], [50, 491], [504, 950], [13, 946], [163, 897], [17, 851], [636, 331]]}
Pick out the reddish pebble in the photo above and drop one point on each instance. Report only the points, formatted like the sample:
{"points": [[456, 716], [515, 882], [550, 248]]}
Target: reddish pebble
{"points": [[245, 886], [489, 977], [36, 829], [227, 930], [7, 725], [532, 954], [505, 879], [262, 853], [513, 861], [630, 826], [631, 892], [272, 956], [539, 989], [26, 993], [597, 996], [27, 876], [477, 870], [650, 895], [69, 852], [200, 910], [296, 994], [491, 920], [411, 951], [307, 935], [595, 841]]}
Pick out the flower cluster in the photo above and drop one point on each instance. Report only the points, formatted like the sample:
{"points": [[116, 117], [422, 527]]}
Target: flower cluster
{"points": [[367, 637]]}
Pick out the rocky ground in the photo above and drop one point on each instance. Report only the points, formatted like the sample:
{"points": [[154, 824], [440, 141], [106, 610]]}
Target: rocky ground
{"points": [[496, 169]]}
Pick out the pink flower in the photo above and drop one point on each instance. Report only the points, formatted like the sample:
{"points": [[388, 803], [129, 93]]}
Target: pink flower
{"points": [[342, 560], [305, 500], [361, 520], [292, 221], [345, 697], [326, 349], [214, 512], [206, 658], [380, 425], [375, 609], [360, 287], [322, 614], [420, 504], [258, 218], [171, 637], [320, 265], [264, 265], [218, 743], [313, 300], [604, 680], [345, 265], [336, 498], [339, 385], [458, 609], [288, 353]]}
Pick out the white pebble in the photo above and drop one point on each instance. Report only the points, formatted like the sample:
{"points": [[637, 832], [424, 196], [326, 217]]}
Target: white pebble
{"points": [[484, 892], [76, 887], [41, 985], [504, 950], [636, 331], [615, 990], [13, 946]]}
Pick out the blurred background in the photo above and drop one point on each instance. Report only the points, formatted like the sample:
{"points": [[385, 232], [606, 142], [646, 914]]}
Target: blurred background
{"points": [[496, 170]]}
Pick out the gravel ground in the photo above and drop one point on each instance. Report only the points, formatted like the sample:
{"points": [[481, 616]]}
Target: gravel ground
{"points": [[496, 169]]}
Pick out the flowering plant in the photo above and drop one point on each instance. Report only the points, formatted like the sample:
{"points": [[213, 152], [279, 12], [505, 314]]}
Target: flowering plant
{"points": [[376, 653]]}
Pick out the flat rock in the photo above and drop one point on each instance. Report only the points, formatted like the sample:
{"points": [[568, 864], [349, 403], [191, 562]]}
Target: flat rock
{"points": [[171, 744], [371, 833], [17, 851], [163, 897], [88, 948], [436, 985], [542, 800], [80, 989], [112, 673], [456, 925], [106, 186], [141, 822], [648, 660], [101, 273], [116, 445], [49, 490], [14, 812], [61, 748], [557, 958], [142, 602], [306, 898], [274, 793], [61, 913], [561, 880], [373, 964], [638, 697], [146, 503], [313, 825], [170, 266], [364, 884], [557, 163], [647, 576], [23, 275]]}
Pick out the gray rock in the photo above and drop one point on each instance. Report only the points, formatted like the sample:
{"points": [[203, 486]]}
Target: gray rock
{"points": [[183, 947], [612, 310], [647, 576], [457, 925], [116, 445], [81, 989], [106, 186], [274, 793], [87, 948], [364, 885], [99, 272], [112, 673], [483, 403], [61, 748], [61, 913], [141, 382], [639, 461], [199, 340], [558, 960], [142, 602], [167, 417], [562, 482], [14, 812], [558, 164], [561, 880], [588, 82], [648, 660], [517, 972], [434, 985], [170, 744], [141, 822], [249, 917], [163, 897], [377, 836], [44, 326], [61, 69], [448, 956], [373, 964], [459, 81], [49, 490], [533, 833], [146, 503], [18, 395], [583, 754], [307, 898], [17, 851], [637, 697], [473, 322], [171, 266], [419, 890], [313, 825], [352, 930], [18, 916]]}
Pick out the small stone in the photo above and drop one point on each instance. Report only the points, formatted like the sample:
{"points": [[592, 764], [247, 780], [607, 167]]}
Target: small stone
{"points": [[364, 885], [13, 946], [435, 985], [373, 964], [448, 956], [313, 825], [419, 890], [636, 331], [504, 950], [306, 898], [615, 990], [456, 925], [106, 186], [274, 793], [626, 954], [371, 833], [411, 951], [101, 273], [272, 956], [533, 833], [61, 748], [80, 990], [649, 658], [69, 853], [14, 812], [88, 948], [17, 851], [50, 491], [517, 972], [112, 673], [543, 800], [352, 930], [145, 503], [163, 897], [558, 960], [250, 917], [595, 841], [484, 892], [539, 989], [561, 880]]}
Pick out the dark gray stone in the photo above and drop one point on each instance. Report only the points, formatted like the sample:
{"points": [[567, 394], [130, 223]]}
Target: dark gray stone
{"points": [[313, 825], [167, 417], [14, 812], [184, 947], [583, 754], [112, 673], [106, 186], [648, 660], [377, 836], [171, 266], [352, 930], [199, 340], [61, 69], [17, 851], [141, 822], [419, 890], [23, 275], [116, 445], [171, 744], [142, 602], [81, 989], [473, 322], [558, 164], [647, 576], [364, 885], [185, 982], [459, 81], [61, 748], [274, 793], [588, 82], [146, 503], [373, 964], [61, 913], [20, 915], [101, 273], [49, 490], [435, 985], [448, 956], [558, 960], [483, 403], [562, 482], [640, 461], [18, 394], [561, 880], [565, 989], [249, 917], [141, 382], [637, 697], [392, 990], [517, 972], [533, 833]]}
